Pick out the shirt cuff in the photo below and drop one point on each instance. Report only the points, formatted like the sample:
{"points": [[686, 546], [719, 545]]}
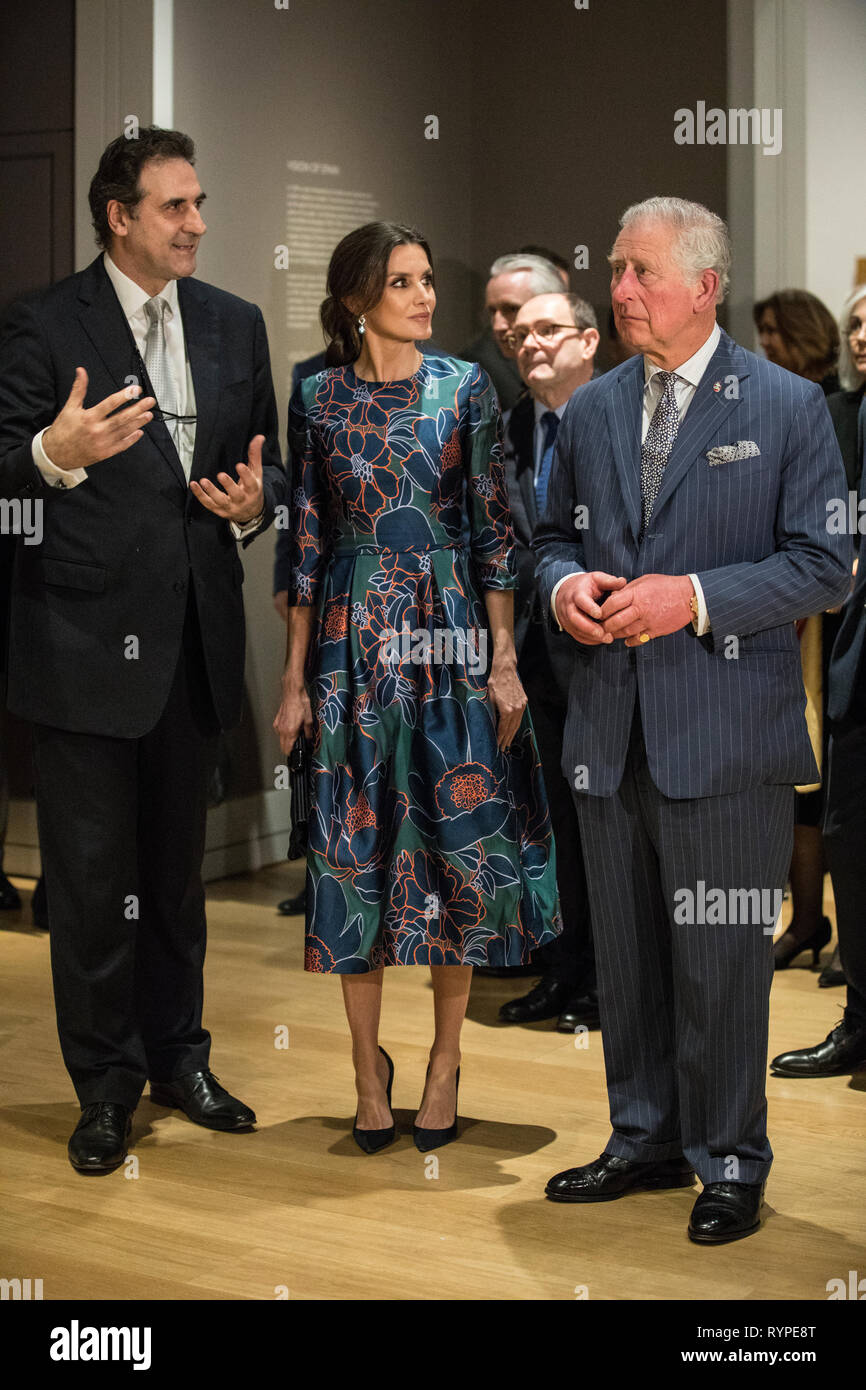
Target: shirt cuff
{"points": [[246, 528], [556, 588], [702, 624], [52, 475]]}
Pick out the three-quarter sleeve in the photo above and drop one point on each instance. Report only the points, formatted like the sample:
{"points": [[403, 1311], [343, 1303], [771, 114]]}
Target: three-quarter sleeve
{"points": [[491, 539], [309, 528]]}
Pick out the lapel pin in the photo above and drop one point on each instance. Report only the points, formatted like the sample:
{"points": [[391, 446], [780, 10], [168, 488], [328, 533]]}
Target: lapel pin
{"points": [[717, 386]]}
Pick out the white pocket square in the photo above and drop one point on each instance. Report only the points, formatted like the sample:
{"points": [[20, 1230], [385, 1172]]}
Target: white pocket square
{"points": [[729, 453]]}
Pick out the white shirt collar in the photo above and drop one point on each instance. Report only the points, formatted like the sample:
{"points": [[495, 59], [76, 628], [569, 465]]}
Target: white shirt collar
{"points": [[692, 370], [132, 297]]}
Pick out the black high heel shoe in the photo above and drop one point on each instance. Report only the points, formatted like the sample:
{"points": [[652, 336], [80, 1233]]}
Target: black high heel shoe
{"points": [[372, 1140], [784, 951], [426, 1139]]}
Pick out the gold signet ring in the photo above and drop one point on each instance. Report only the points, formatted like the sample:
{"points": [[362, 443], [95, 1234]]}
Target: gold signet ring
{"points": [[644, 637]]}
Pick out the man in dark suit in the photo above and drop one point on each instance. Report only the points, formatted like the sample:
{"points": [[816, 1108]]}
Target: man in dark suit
{"points": [[511, 281], [844, 1048], [686, 530], [128, 394], [555, 341]]}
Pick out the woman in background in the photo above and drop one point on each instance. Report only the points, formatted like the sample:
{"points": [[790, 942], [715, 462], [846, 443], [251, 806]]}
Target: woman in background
{"points": [[429, 836], [798, 332]]}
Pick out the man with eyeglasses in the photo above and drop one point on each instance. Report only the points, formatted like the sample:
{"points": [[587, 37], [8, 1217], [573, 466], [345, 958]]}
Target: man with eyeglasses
{"points": [[512, 280], [554, 338], [137, 413]]}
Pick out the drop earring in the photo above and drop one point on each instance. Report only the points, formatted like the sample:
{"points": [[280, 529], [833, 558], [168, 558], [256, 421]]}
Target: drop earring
{"points": [[362, 323]]}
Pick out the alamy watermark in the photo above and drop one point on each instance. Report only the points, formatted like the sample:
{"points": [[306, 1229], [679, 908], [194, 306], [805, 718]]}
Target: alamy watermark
{"points": [[718, 907], [443, 646], [737, 126], [22, 517]]}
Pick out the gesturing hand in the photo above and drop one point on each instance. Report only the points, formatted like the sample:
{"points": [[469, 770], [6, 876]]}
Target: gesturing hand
{"points": [[241, 501], [655, 604], [79, 437], [577, 607]]}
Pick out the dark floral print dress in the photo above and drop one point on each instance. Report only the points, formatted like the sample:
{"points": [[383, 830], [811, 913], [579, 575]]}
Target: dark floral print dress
{"points": [[427, 844]]}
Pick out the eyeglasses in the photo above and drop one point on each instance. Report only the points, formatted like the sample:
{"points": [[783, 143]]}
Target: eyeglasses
{"points": [[542, 332]]}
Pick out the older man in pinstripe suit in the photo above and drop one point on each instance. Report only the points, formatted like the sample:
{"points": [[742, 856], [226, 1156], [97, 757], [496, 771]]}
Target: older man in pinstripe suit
{"points": [[685, 531]]}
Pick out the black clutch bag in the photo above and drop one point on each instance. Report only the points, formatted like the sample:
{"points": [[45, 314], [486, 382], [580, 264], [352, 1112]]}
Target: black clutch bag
{"points": [[300, 792]]}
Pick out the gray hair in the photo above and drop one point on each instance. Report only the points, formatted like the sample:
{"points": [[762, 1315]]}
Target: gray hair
{"points": [[582, 313], [546, 279], [702, 243], [849, 378]]}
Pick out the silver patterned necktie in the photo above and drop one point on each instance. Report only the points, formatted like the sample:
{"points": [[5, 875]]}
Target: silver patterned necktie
{"points": [[656, 448], [156, 359]]}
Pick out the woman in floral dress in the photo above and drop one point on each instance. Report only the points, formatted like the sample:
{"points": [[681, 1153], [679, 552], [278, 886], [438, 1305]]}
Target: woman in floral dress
{"points": [[429, 836]]}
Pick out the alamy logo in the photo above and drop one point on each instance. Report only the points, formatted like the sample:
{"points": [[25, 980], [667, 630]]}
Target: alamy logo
{"points": [[22, 518], [854, 1289], [23, 1289], [711, 907], [443, 646], [76, 1343], [739, 125]]}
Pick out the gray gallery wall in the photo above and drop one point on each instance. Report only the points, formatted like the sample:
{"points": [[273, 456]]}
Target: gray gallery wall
{"points": [[312, 118]]}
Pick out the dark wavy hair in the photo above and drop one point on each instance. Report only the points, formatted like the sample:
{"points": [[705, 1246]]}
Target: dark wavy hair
{"points": [[358, 270], [809, 330], [119, 169]]}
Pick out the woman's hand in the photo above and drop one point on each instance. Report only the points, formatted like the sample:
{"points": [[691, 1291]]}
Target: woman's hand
{"points": [[295, 713], [508, 696]]}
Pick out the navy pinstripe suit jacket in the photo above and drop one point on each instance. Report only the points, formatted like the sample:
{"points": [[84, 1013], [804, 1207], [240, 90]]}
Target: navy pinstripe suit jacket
{"points": [[718, 715]]}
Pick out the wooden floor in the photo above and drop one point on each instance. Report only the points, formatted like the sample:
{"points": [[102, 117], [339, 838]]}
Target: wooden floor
{"points": [[295, 1209]]}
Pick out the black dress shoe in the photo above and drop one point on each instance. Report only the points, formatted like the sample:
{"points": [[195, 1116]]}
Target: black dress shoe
{"points": [[290, 907], [99, 1140], [10, 898], [787, 948], [842, 1050], [610, 1177], [832, 974], [726, 1211], [580, 1011], [200, 1097], [544, 1000], [372, 1140], [427, 1139]]}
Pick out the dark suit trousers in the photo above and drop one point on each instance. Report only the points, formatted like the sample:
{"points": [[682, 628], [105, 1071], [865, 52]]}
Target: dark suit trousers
{"points": [[684, 1007], [121, 829], [569, 959], [845, 845]]}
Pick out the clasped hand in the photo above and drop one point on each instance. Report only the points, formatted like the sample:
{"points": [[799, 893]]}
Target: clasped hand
{"points": [[598, 608]]}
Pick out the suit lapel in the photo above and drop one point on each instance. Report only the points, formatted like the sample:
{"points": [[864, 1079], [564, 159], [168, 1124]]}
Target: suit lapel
{"points": [[727, 368], [105, 324], [623, 407], [522, 427], [202, 347]]}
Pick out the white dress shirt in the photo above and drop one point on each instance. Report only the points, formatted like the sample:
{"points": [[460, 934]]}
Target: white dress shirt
{"points": [[688, 377], [132, 301]]}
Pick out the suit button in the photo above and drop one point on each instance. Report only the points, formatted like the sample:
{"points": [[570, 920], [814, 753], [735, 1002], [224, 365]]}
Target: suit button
{"points": [[179, 586]]}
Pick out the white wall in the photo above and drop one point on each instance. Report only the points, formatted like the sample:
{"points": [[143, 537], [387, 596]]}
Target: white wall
{"points": [[798, 219], [835, 147]]}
